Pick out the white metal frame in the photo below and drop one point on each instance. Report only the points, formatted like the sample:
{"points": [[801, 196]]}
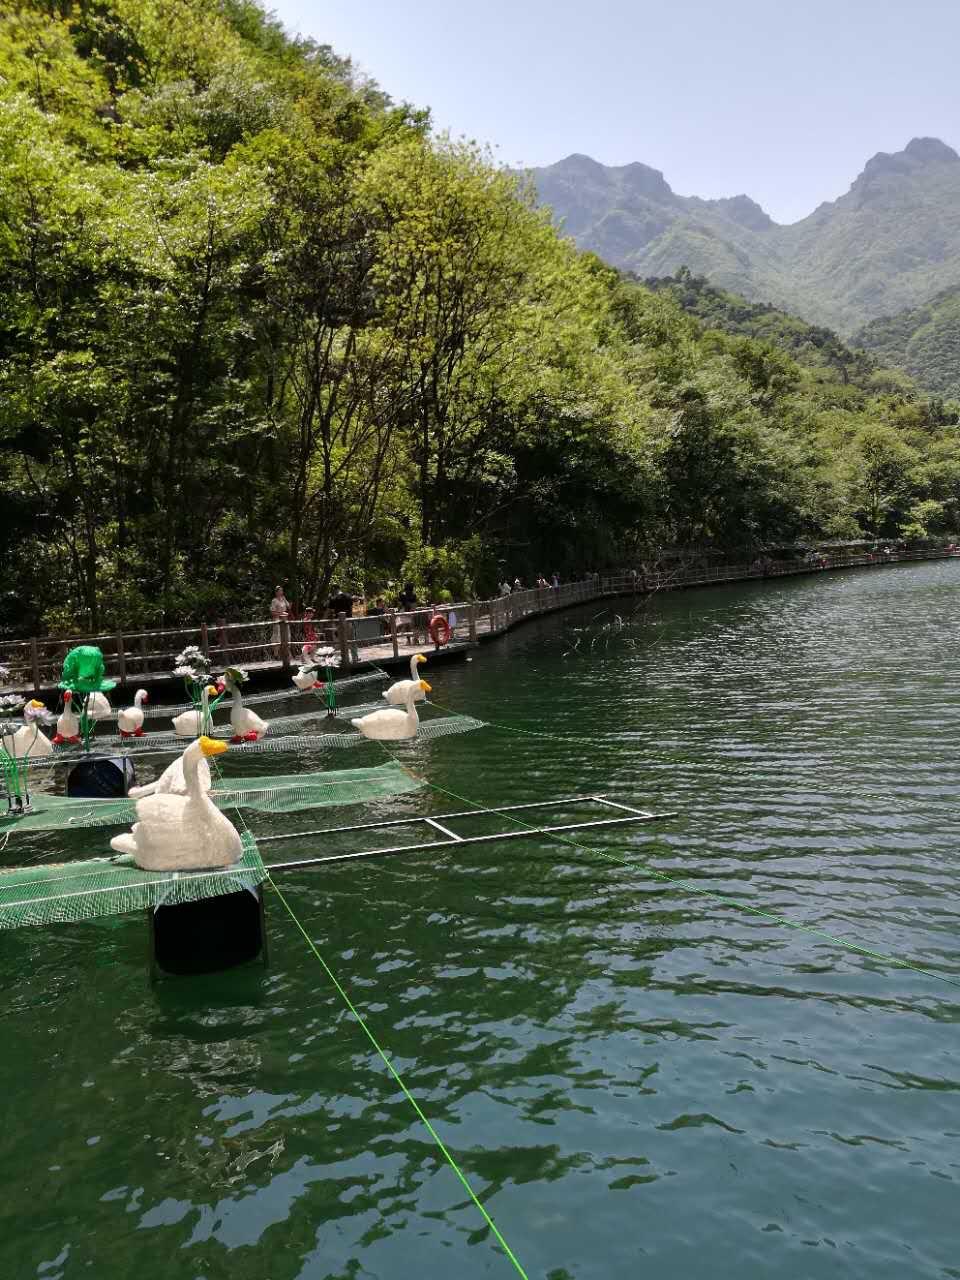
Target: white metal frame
{"points": [[627, 815]]}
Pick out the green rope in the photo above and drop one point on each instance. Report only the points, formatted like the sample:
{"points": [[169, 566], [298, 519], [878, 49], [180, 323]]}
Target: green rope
{"points": [[386, 1061], [712, 893], [399, 1080], [87, 725], [683, 884], [15, 772], [532, 733], [330, 693]]}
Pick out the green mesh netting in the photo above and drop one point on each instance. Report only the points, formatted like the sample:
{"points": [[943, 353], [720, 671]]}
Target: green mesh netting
{"points": [[169, 744], [73, 891], [273, 793], [274, 695], [278, 725]]}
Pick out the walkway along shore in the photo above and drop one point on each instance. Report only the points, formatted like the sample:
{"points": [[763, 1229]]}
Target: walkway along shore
{"points": [[146, 658]]}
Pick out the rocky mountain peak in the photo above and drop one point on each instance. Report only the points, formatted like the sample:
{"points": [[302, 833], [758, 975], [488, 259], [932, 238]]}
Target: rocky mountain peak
{"points": [[930, 151]]}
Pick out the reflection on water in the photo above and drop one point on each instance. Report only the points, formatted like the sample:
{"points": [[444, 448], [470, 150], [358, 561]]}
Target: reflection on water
{"points": [[635, 1079]]}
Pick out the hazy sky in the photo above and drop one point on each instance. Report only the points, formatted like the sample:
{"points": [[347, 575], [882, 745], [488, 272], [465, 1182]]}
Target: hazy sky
{"points": [[782, 99]]}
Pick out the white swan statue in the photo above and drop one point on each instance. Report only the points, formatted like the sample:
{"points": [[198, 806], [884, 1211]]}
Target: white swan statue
{"points": [[306, 678], [172, 780], [28, 740], [68, 722], [396, 695], [98, 708], [190, 724], [392, 724], [183, 832], [246, 724], [130, 719]]}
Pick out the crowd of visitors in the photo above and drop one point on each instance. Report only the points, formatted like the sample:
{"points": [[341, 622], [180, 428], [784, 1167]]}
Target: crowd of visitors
{"points": [[313, 629]]}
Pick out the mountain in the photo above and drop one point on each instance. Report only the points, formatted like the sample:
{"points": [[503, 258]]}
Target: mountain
{"points": [[923, 340], [888, 244], [810, 345]]}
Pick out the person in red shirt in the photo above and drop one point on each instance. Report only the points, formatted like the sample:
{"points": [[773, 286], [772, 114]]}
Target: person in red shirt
{"points": [[309, 632]]}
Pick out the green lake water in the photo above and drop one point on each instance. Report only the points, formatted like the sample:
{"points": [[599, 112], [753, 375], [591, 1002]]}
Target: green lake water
{"points": [[638, 1080]]}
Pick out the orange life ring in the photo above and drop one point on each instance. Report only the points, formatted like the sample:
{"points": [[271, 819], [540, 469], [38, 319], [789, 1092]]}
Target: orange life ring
{"points": [[439, 629]]}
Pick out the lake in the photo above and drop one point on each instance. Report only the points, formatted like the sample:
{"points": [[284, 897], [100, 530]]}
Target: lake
{"points": [[637, 1078]]}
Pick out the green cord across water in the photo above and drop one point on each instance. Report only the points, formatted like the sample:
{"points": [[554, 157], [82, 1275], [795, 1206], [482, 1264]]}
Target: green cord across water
{"points": [[386, 1061], [399, 1079], [710, 893]]}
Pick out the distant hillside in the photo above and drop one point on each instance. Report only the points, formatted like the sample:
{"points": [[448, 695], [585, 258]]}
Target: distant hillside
{"points": [[888, 244], [923, 340], [809, 344]]}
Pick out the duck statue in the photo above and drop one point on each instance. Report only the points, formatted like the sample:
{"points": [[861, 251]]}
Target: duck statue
{"points": [[28, 741], [246, 724], [306, 678], [97, 708], [396, 695], [130, 719], [68, 722], [393, 724], [186, 832], [190, 724]]}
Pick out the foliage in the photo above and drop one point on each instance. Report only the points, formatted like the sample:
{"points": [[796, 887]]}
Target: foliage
{"points": [[259, 325], [923, 340]]}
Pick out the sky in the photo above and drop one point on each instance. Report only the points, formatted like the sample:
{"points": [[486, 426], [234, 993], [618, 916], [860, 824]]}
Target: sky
{"points": [[784, 101]]}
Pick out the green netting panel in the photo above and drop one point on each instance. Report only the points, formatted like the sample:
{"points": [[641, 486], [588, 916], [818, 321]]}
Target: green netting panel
{"points": [[273, 793], [162, 744], [274, 695], [288, 793], [73, 891], [278, 725]]}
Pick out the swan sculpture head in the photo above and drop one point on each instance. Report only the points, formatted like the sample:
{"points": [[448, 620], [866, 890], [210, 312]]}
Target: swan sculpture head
{"points": [[425, 687], [211, 746]]}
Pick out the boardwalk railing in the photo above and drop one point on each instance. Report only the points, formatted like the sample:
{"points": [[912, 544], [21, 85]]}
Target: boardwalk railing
{"points": [[143, 655]]}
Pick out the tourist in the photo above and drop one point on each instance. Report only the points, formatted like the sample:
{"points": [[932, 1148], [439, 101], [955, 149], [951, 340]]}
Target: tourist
{"points": [[341, 602], [309, 632], [556, 581], [504, 588], [279, 612], [377, 609], [517, 584]]}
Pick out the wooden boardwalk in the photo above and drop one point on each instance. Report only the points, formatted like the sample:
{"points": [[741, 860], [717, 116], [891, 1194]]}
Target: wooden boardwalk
{"points": [[271, 653]]}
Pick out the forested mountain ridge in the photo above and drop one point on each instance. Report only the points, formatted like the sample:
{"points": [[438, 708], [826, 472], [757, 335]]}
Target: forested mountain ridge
{"points": [[808, 344], [923, 340], [257, 324], [890, 242]]}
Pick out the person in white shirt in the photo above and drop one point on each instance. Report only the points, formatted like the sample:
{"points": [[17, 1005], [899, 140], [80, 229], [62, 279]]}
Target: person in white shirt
{"points": [[279, 611]]}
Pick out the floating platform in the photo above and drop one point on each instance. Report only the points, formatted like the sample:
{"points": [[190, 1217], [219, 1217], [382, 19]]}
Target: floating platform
{"points": [[271, 793], [170, 745], [67, 892]]}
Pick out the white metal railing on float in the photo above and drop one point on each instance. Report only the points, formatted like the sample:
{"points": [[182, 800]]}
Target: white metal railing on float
{"points": [[130, 656]]}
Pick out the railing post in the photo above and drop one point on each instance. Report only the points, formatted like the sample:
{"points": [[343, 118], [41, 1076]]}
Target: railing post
{"points": [[35, 663], [393, 633], [143, 653], [344, 640], [285, 644], [121, 658], [204, 639], [472, 622]]}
